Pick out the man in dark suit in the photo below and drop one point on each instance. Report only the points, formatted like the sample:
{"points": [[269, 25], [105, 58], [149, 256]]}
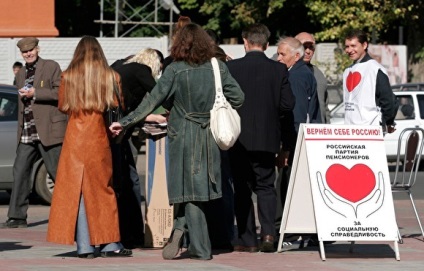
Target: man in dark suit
{"points": [[41, 126], [304, 86], [268, 98]]}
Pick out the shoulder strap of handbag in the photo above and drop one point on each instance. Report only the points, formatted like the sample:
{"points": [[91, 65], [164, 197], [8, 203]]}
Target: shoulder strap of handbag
{"points": [[217, 75]]}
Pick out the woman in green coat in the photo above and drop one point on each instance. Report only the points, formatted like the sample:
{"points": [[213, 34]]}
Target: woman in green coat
{"points": [[187, 88]]}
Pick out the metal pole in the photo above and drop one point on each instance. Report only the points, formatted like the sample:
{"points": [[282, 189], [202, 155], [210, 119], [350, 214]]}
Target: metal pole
{"points": [[101, 17], [156, 11], [116, 17], [400, 35], [373, 36], [171, 20]]}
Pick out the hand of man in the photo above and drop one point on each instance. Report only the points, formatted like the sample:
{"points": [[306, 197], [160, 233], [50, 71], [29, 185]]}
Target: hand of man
{"points": [[29, 93]]}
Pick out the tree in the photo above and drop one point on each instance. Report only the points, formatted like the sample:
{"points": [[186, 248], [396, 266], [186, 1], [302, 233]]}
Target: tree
{"points": [[382, 18], [373, 16], [233, 13]]}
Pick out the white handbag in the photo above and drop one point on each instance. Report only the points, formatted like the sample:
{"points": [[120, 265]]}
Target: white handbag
{"points": [[224, 120]]}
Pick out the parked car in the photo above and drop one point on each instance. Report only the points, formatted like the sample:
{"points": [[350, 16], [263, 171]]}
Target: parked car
{"points": [[410, 114], [408, 87], [41, 183], [335, 95]]}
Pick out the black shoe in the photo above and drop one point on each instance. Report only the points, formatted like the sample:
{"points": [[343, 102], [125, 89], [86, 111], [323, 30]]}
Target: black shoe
{"points": [[250, 249], [267, 244], [86, 256], [121, 253], [174, 244], [12, 223]]}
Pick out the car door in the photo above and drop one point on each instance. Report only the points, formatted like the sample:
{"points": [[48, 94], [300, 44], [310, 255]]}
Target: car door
{"points": [[8, 131]]}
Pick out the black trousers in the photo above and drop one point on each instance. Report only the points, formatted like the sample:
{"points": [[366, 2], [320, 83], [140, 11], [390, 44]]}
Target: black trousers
{"points": [[253, 171], [127, 188], [283, 184], [26, 156]]}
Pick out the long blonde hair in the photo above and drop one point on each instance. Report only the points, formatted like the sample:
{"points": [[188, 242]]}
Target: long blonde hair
{"points": [[89, 81], [148, 57]]}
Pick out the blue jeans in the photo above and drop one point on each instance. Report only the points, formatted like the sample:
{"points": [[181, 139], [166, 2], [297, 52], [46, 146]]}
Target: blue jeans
{"points": [[83, 235]]}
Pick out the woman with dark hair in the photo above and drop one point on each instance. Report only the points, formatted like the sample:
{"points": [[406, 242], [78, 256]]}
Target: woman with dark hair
{"points": [[84, 205], [182, 21], [188, 87]]}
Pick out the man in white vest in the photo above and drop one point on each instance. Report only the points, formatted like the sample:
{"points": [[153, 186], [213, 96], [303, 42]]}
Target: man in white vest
{"points": [[368, 97]]}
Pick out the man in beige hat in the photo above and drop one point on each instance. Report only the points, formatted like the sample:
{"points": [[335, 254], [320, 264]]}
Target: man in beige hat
{"points": [[41, 126]]}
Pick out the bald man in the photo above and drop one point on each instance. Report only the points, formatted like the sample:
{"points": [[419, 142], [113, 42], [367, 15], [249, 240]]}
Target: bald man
{"points": [[308, 42]]}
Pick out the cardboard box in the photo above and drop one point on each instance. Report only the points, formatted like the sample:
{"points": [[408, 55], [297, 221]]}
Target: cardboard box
{"points": [[159, 214]]}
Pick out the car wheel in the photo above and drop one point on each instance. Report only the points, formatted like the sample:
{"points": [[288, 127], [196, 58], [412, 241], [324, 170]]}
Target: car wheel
{"points": [[44, 184]]}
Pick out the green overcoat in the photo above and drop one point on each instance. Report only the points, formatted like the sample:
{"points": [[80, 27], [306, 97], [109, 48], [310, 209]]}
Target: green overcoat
{"points": [[194, 172]]}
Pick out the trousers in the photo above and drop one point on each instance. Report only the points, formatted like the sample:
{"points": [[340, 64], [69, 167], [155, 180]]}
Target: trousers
{"points": [[26, 156], [190, 218], [253, 172], [83, 234]]}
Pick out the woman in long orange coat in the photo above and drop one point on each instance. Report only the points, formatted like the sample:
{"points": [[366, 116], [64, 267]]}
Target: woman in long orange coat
{"points": [[84, 207]]}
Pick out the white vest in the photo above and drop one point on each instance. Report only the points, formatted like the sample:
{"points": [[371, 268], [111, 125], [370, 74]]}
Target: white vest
{"points": [[359, 82]]}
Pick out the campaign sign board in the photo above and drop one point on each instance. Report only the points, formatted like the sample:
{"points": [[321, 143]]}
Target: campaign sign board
{"points": [[340, 185], [159, 214]]}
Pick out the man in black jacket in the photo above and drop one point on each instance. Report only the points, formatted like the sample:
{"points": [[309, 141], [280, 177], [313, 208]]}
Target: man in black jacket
{"points": [[268, 98]]}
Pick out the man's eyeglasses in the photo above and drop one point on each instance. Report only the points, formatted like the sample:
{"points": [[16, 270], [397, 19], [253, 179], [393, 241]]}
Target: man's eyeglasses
{"points": [[309, 45]]}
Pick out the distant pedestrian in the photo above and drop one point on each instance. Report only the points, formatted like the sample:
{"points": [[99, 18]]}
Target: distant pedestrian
{"points": [[16, 68], [84, 207], [268, 99], [41, 126], [182, 21], [306, 110], [220, 212], [194, 158], [367, 95], [138, 75], [309, 46]]}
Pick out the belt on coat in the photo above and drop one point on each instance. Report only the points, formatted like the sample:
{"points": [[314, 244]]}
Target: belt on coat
{"points": [[203, 120]]}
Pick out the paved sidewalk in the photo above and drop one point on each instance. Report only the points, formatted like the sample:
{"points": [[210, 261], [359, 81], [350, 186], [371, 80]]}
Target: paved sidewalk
{"points": [[26, 249]]}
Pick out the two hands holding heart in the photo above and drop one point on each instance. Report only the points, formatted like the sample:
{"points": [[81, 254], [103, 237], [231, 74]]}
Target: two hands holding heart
{"points": [[352, 190]]}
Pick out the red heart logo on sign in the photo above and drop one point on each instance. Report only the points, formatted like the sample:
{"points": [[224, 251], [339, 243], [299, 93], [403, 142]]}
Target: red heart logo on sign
{"points": [[353, 80], [354, 184]]}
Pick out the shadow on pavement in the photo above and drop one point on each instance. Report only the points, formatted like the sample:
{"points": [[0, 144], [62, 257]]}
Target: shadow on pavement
{"points": [[38, 223], [359, 250], [7, 246]]}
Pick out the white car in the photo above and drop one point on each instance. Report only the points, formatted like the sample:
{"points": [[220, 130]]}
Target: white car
{"points": [[410, 114]]}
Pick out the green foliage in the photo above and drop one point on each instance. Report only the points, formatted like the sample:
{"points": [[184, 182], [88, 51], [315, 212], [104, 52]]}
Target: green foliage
{"points": [[420, 54], [337, 16], [188, 4], [233, 13], [342, 60]]}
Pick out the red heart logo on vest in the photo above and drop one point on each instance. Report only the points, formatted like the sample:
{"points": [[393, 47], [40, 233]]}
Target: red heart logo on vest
{"points": [[354, 184], [353, 80]]}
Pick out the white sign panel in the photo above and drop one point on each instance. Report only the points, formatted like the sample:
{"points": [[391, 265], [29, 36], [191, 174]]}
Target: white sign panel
{"points": [[350, 182]]}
